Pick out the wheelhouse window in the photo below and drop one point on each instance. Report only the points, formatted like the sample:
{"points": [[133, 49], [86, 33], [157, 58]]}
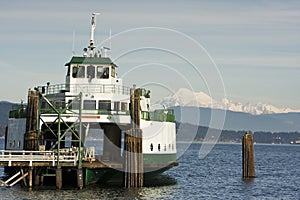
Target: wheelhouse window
{"points": [[78, 72], [102, 72], [68, 71], [104, 105], [99, 71], [90, 72], [113, 71], [89, 105]]}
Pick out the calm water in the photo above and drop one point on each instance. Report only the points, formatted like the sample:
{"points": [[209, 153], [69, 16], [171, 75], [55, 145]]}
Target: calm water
{"points": [[217, 176]]}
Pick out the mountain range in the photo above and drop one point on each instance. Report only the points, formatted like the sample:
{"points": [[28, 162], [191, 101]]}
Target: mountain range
{"points": [[187, 98], [238, 121], [197, 108]]}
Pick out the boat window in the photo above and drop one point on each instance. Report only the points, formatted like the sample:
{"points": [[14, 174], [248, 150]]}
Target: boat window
{"points": [[68, 72], [78, 72], [151, 147], [81, 72], [124, 106], [113, 71], [74, 72], [102, 72], [99, 71], [90, 72], [158, 147], [89, 105], [117, 105], [106, 72], [74, 104], [104, 105]]}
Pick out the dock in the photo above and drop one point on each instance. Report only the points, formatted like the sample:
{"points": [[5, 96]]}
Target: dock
{"points": [[45, 153]]}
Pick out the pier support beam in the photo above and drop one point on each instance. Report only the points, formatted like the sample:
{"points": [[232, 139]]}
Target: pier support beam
{"points": [[30, 178], [79, 178], [248, 155], [58, 178]]}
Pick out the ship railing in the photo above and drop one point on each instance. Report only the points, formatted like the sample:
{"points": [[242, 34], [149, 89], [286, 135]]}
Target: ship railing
{"points": [[161, 115], [85, 88], [31, 157]]}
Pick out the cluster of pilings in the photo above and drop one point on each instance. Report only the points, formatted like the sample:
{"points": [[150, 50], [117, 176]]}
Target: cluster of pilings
{"points": [[133, 161]]}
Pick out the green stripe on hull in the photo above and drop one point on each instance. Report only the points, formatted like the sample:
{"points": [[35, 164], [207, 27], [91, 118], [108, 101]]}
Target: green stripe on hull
{"points": [[154, 164], [100, 175], [158, 159]]}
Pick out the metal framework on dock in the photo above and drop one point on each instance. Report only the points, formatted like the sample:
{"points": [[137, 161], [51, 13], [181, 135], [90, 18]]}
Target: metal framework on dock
{"points": [[35, 156], [61, 114]]}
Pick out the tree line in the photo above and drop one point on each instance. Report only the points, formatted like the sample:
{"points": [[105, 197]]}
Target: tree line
{"points": [[185, 129]]}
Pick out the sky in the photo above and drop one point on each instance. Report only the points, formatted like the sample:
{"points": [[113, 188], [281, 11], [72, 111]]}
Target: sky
{"points": [[246, 51]]}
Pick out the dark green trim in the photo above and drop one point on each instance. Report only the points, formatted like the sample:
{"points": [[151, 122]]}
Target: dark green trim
{"points": [[92, 176], [18, 113], [159, 115], [90, 60]]}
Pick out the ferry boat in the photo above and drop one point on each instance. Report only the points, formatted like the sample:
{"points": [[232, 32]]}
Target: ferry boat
{"points": [[93, 98]]}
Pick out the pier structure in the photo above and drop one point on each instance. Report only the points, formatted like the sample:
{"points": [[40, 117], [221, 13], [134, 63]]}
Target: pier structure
{"points": [[45, 153]]}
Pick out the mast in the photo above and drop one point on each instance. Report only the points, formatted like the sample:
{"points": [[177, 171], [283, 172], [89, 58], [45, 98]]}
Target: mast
{"points": [[93, 26]]}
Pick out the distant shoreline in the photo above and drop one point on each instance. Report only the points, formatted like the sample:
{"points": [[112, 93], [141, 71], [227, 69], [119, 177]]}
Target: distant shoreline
{"points": [[211, 142]]}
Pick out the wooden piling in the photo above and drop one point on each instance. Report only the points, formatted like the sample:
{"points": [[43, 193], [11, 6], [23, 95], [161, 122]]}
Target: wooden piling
{"points": [[79, 179], [37, 176], [31, 135], [58, 178], [5, 138], [248, 155], [30, 179], [133, 161]]}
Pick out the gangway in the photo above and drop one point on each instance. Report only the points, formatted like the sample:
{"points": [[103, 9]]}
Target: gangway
{"points": [[69, 157], [29, 159]]}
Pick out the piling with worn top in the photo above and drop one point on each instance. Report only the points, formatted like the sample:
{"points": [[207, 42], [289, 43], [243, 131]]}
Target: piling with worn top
{"points": [[31, 135], [248, 156], [133, 162]]}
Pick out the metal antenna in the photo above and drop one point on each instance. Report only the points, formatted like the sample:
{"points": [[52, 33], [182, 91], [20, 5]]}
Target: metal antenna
{"points": [[93, 26], [110, 42], [73, 45]]}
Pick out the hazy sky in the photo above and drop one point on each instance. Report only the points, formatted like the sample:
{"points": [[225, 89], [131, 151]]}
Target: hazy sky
{"points": [[247, 51]]}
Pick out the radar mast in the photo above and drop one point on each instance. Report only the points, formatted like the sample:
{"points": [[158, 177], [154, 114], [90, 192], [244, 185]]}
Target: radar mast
{"points": [[93, 26]]}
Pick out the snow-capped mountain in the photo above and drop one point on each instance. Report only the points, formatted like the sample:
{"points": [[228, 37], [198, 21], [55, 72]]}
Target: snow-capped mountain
{"points": [[185, 97]]}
